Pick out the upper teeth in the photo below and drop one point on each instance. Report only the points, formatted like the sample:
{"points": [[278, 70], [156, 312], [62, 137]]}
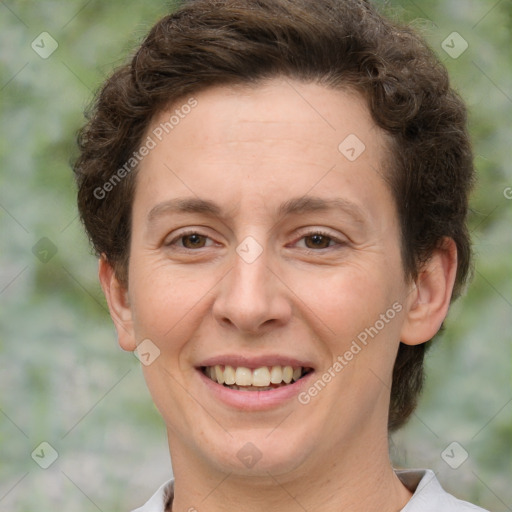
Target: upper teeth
{"points": [[260, 377]]}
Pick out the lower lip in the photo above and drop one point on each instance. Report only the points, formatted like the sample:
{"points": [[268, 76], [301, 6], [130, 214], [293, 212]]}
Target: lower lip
{"points": [[255, 400]]}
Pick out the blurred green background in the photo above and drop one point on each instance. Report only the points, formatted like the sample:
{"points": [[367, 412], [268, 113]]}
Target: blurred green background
{"points": [[63, 379]]}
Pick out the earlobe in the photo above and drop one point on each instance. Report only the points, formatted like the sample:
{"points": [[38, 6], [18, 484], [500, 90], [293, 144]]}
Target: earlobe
{"points": [[118, 304], [430, 295]]}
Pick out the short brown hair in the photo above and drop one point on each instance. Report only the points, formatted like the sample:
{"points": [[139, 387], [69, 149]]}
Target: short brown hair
{"points": [[337, 43]]}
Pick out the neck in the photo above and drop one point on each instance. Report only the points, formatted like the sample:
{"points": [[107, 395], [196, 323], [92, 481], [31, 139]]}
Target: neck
{"points": [[339, 480]]}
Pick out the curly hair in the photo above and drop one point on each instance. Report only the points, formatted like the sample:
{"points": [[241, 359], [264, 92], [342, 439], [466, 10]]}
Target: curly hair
{"points": [[337, 43]]}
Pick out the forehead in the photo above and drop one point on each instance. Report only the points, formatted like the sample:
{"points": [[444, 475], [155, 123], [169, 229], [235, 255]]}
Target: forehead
{"points": [[273, 107], [280, 138]]}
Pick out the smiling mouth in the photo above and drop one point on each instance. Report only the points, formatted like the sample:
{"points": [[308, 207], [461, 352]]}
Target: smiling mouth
{"points": [[264, 378]]}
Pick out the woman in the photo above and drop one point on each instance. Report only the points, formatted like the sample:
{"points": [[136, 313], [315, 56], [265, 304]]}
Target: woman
{"points": [[278, 193]]}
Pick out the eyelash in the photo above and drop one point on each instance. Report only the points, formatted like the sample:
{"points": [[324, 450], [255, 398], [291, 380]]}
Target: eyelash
{"points": [[305, 235]]}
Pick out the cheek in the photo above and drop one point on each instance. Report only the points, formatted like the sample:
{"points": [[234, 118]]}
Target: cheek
{"points": [[167, 303], [347, 300]]}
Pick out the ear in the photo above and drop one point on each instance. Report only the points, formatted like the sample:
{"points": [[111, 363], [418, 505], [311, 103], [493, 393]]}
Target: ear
{"points": [[118, 304], [430, 295]]}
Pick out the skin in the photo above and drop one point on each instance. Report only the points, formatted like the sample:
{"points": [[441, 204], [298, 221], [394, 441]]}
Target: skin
{"points": [[249, 150]]}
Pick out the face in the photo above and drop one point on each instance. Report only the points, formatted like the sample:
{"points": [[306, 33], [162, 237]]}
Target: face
{"points": [[265, 254]]}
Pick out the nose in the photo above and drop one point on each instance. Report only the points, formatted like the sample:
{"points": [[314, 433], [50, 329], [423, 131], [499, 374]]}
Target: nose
{"points": [[252, 297]]}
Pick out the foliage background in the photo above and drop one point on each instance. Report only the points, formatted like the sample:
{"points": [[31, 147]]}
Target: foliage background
{"points": [[63, 378]]}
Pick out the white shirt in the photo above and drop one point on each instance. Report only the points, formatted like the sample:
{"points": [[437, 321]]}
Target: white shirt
{"points": [[428, 495]]}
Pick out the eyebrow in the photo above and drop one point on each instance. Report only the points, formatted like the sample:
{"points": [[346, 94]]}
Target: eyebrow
{"points": [[295, 206]]}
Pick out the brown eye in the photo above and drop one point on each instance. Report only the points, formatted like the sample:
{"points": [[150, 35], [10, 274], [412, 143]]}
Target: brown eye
{"points": [[318, 241], [193, 241], [189, 240]]}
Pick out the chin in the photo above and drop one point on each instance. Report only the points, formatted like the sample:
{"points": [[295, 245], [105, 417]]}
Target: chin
{"points": [[261, 453]]}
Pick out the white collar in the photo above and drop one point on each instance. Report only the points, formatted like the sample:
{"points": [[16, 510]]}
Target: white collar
{"points": [[428, 495]]}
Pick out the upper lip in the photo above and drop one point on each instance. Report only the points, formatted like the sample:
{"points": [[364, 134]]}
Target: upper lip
{"points": [[253, 362]]}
